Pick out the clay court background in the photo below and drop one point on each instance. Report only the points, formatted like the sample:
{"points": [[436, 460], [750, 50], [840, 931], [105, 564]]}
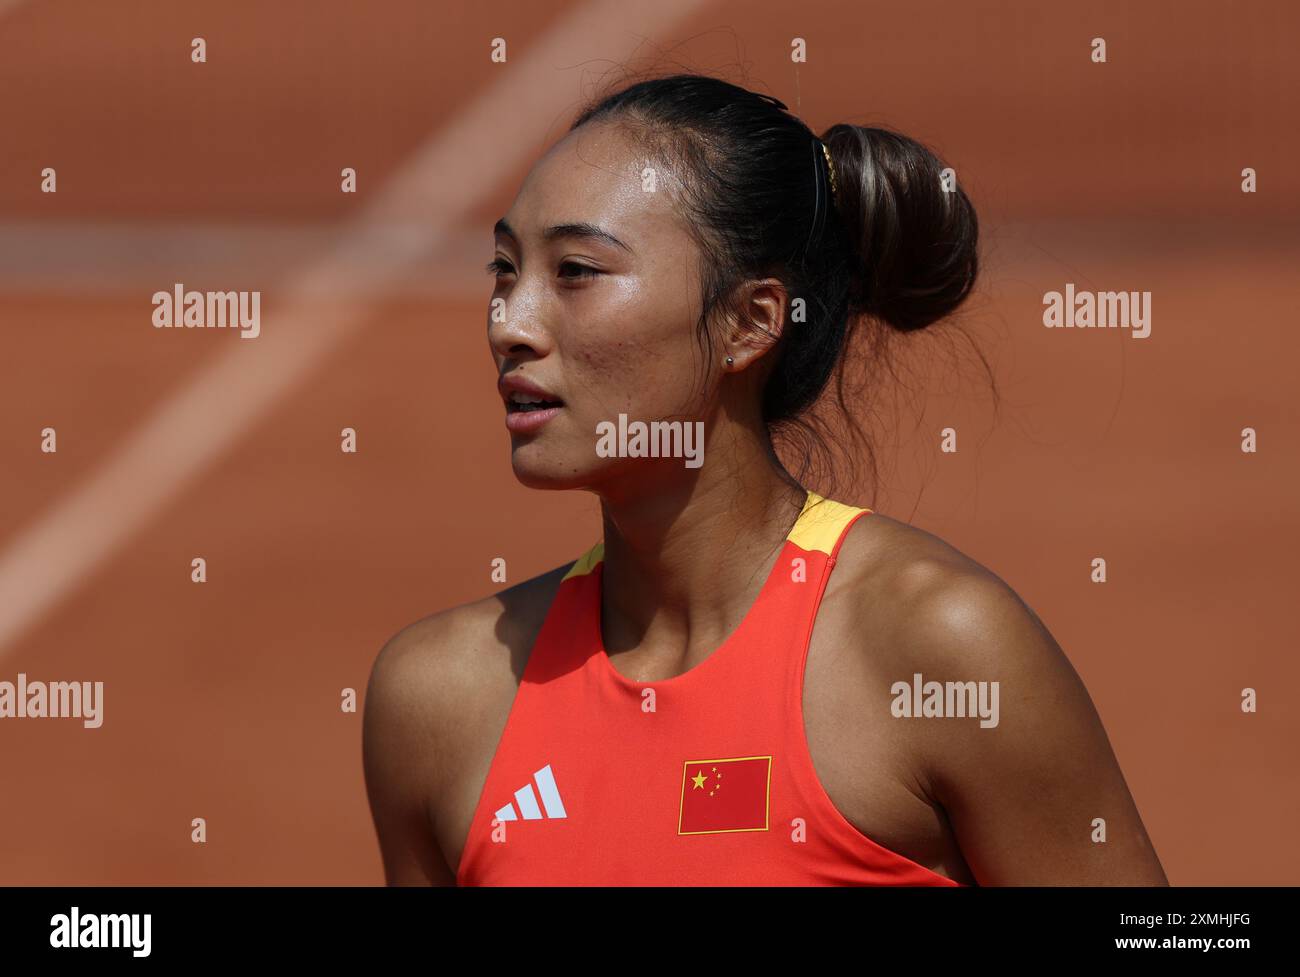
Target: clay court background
{"points": [[222, 700]]}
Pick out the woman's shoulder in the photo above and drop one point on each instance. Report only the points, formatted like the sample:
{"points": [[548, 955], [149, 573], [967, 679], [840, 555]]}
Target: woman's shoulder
{"points": [[433, 682], [881, 550], [435, 689], [455, 645], [1018, 748], [920, 607], [929, 604]]}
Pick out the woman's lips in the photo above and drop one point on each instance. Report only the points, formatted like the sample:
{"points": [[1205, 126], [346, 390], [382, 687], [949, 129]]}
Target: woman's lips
{"points": [[527, 421], [528, 405]]}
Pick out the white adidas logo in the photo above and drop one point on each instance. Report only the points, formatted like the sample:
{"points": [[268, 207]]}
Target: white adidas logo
{"points": [[527, 800]]}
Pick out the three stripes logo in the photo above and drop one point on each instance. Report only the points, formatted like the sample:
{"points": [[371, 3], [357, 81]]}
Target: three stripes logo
{"points": [[526, 800]]}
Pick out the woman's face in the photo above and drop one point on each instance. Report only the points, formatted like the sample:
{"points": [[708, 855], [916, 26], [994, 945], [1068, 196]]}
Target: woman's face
{"points": [[601, 325]]}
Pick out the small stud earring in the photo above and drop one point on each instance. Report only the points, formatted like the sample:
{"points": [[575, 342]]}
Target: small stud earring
{"points": [[730, 361]]}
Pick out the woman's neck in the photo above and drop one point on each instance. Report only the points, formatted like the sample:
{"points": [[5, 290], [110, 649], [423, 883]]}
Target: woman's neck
{"points": [[684, 556]]}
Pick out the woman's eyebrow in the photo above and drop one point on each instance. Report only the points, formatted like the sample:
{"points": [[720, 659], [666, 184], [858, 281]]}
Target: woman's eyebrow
{"points": [[582, 229]]}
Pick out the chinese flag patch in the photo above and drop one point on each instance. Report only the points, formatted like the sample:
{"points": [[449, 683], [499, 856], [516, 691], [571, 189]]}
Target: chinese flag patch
{"points": [[724, 795]]}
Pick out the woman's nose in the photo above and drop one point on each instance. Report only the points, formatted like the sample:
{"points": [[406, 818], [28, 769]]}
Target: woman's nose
{"points": [[515, 327]]}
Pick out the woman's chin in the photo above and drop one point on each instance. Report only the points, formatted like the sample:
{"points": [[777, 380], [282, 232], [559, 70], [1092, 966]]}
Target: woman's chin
{"points": [[547, 473]]}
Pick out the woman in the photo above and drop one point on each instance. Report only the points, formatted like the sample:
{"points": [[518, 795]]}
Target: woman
{"points": [[698, 699]]}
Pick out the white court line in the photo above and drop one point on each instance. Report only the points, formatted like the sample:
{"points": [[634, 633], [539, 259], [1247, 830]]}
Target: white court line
{"points": [[449, 175], [130, 258]]}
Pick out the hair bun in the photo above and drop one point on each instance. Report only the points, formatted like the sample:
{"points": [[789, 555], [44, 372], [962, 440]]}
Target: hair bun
{"points": [[915, 243]]}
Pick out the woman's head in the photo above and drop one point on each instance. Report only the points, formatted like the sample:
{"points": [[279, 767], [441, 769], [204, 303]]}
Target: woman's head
{"points": [[736, 278]]}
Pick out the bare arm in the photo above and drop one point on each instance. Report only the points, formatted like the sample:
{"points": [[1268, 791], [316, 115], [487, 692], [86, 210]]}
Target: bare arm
{"points": [[1022, 796], [439, 696], [398, 744]]}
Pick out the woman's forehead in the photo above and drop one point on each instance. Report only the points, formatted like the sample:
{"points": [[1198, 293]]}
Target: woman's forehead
{"points": [[595, 178]]}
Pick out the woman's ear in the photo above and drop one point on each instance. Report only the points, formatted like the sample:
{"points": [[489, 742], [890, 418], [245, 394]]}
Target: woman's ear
{"points": [[756, 324]]}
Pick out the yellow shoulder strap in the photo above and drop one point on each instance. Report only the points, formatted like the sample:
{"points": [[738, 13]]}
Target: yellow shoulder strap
{"points": [[821, 523], [587, 562]]}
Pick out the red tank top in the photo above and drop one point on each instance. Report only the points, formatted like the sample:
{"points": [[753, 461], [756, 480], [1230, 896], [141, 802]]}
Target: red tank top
{"points": [[700, 779]]}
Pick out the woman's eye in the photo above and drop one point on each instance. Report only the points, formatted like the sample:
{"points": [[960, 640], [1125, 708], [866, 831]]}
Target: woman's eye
{"points": [[500, 266], [583, 271]]}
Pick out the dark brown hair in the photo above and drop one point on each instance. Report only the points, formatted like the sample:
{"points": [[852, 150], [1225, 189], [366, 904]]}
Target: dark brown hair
{"points": [[894, 249]]}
